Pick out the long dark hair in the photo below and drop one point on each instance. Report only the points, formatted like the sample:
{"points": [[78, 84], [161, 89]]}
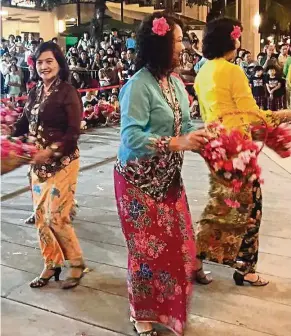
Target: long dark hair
{"points": [[59, 56], [154, 51]]}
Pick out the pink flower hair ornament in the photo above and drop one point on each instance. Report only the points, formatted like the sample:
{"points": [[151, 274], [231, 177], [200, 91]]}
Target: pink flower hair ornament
{"points": [[236, 33], [160, 26]]}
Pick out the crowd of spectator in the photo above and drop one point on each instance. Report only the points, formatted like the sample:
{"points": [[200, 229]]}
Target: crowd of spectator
{"points": [[109, 64]]}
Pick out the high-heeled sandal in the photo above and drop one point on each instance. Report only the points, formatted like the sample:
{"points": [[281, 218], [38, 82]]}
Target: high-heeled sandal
{"points": [[39, 282], [151, 332], [30, 220], [239, 280], [202, 278], [72, 282]]}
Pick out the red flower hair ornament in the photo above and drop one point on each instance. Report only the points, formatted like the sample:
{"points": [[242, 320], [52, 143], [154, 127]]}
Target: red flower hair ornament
{"points": [[160, 26], [236, 33]]}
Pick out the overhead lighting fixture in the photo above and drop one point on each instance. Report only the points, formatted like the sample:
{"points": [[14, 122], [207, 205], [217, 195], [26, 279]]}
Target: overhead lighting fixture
{"points": [[61, 26]]}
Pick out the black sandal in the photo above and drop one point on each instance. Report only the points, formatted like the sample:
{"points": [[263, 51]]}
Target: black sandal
{"points": [[239, 280], [72, 282], [151, 332], [39, 282], [30, 220], [202, 278]]}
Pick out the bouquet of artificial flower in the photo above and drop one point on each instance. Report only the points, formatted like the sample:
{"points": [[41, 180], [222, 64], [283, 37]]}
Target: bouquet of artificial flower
{"points": [[232, 159], [15, 153], [8, 116], [278, 138]]}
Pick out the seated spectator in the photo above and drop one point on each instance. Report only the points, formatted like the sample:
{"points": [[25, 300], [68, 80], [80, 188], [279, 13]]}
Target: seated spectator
{"points": [[274, 94], [73, 64], [114, 117], [131, 41], [106, 74], [102, 53], [13, 82], [77, 81], [84, 61], [73, 52], [89, 115], [96, 64], [89, 98]]}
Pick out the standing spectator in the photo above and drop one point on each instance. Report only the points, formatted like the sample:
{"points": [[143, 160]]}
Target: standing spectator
{"points": [[30, 51], [11, 44], [40, 40], [84, 41], [102, 54], [260, 58], [55, 40], [105, 44], [3, 47], [131, 41], [29, 41], [84, 61], [238, 60], [282, 59], [273, 84], [246, 62], [13, 82], [115, 40], [270, 52], [5, 64], [91, 54], [106, 74], [130, 59], [288, 85], [257, 84]]}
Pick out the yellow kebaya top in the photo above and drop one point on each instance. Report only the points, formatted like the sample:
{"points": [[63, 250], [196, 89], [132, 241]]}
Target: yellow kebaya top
{"points": [[224, 95]]}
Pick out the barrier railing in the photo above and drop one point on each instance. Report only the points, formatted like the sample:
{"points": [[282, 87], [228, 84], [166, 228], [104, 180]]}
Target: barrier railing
{"points": [[100, 88]]}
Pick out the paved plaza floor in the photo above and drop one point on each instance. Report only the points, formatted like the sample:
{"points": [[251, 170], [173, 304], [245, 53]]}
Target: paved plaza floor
{"points": [[99, 307]]}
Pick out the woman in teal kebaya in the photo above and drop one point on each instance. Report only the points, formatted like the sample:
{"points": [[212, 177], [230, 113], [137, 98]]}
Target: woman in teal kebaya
{"points": [[151, 200]]}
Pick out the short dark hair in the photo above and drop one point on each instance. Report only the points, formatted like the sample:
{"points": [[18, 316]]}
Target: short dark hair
{"points": [[258, 68], [261, 54], [153, 51], [59, 56], [245, 53], [18, 38], [217, 40], [271, 67], [132, 50]]}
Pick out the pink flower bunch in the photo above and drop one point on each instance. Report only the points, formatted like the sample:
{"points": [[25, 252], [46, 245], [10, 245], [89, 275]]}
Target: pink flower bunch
{"points": [[278, 138], [236, 33], [232, 158], [8, 116], [160, 26], [11, 147]]}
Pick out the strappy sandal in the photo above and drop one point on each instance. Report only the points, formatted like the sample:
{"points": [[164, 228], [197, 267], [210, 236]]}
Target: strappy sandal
{"points": [[72, 282], [30, 220], [202, 278], [239, 280], [39, 282], [151, 332]]}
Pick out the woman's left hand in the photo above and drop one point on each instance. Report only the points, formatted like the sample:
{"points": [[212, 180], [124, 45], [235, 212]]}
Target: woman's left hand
{"points": [[42, 156]]}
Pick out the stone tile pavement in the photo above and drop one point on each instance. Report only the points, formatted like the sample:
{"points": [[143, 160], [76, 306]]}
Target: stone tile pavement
{"points": [[99, 306]]}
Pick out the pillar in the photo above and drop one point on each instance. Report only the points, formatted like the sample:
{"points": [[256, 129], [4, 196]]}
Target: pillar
{"points": [[250, 36]]}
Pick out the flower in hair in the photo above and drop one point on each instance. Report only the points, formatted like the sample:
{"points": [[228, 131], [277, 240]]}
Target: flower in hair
{"points": [[236, 33], [160, 26]]}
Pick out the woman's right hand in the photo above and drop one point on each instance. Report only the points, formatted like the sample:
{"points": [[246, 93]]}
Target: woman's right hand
{"points": [[191, 141]]}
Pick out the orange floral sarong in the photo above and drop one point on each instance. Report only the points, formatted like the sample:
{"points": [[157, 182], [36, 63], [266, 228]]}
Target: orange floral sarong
{"points": [[53, 200]]}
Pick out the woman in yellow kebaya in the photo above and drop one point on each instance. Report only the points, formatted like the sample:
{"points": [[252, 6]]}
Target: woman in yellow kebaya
{"points": [[226, 235]]}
